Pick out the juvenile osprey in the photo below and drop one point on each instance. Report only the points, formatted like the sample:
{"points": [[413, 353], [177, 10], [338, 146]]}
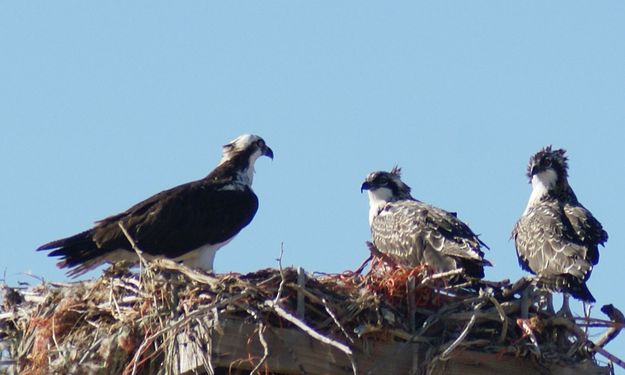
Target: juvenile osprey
{"points": [[188, 223], [557, 238], [415, 233]]}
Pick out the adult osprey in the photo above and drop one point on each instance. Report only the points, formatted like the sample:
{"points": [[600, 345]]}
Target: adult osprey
{"points": [[557, 238], [415, 233], [187, 223]]}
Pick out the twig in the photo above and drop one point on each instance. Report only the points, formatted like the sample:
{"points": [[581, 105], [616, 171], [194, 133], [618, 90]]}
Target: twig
{"points": [[406, 336], [261, 338], [56, 344], [142, 262], [96, 342], [283, 279], [433, 318], [610, 356], [362, 266], [441, 275], [464, 333], [301, 302], [597, 323], [194, 275], [617, 318], [503, 317], [114, 302], [7, 315], [301, 325], [311, 296], [522, 283], [336, 321]]}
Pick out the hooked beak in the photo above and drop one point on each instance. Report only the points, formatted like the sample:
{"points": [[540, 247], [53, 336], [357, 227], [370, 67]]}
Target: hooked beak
{"points": [[365, 186], [533, 170], [268, 152], [536, 169]]}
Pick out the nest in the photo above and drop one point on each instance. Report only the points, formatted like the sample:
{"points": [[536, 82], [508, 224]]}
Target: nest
{"points": [[140, 322]]}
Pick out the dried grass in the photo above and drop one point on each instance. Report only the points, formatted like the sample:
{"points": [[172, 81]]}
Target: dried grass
{"points": [[126, 322]]}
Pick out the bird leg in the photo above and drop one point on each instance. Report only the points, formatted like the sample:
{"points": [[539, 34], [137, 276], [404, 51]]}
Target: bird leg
{"points": [[565, 310], [547, 302], [587, 310]]}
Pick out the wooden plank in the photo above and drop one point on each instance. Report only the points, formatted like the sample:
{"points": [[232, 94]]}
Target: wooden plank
{"points": [[478, 363], [292, 351]]}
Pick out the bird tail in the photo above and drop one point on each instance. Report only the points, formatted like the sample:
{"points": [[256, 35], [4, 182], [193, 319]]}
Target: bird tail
{"points": [[566, 284], [473, 269], [79, 253]]}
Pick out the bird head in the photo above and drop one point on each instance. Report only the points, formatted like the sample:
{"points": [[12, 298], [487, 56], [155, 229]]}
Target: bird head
{"points": [[248, 145], [549, 166], [386, 186], [240, 156]]}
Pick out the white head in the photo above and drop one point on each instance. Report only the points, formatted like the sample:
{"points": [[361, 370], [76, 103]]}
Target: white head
{"points": [[250, 144], [243, 151]]}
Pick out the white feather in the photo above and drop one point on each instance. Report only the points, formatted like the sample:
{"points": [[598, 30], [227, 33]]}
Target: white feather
{"points": [[203, 257], [378, 198], [542, 183]]}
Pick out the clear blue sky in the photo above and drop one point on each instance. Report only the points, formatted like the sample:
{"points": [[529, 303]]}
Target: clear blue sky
{"points": [[103, 104]]}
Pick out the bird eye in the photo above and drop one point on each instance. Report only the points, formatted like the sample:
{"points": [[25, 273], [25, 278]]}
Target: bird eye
{"points": [[382, 180], [260, 143]]}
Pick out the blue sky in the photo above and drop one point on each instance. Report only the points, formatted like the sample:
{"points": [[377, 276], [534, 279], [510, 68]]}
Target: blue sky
{"points": [[103, 104]]}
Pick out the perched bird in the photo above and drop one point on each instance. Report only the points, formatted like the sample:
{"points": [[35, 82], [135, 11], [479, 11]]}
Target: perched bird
{"points": [[557, 238], [187, 223], [415, 233]]}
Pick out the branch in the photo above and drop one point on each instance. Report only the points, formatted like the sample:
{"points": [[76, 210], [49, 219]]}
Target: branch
{"points": [[616, 316], [301, 325]]}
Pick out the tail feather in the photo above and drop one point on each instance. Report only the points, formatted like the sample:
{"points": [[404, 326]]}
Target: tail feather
{"points": [[74, 251], [473, 267], [566, 284], [79, 238]]}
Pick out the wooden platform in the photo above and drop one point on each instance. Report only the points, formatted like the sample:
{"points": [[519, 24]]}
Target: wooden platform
{"points": [[236, 345]]}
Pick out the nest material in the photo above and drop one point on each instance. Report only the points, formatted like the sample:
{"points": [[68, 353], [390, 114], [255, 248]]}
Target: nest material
{"points": [[125, 322]]}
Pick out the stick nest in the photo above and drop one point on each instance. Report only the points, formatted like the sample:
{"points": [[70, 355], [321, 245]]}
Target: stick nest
{"points": [[130, 322]]}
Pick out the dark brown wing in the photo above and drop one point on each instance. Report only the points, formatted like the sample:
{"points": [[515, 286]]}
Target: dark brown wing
{"points": [[170, 223]]}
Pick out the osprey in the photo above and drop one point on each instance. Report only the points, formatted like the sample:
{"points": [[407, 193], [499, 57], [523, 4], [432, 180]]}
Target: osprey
{"points": [[187, 223], [415, 233], [557, 238]]}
